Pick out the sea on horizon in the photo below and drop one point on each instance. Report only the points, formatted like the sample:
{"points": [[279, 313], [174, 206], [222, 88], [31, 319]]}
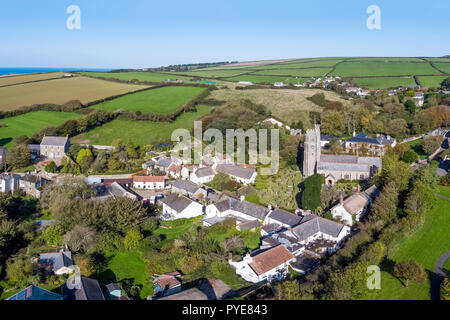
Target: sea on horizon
{"points": [[4, 71]]}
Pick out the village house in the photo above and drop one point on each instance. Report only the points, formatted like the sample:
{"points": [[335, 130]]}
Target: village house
{"points": [[246, 83], [274, 122], [83, 288], [56, 262], [239, 173], [32, 184], [54, 147], [375, 146], [202, 175], [228, 207], [188, 188], [325, 140], [149, 182], [282, 218], [178, 206], [419, 97], [354, 207], [35, 293], [114, 292], [9, 182], [319, 232], [268, 265], [167, 284]]}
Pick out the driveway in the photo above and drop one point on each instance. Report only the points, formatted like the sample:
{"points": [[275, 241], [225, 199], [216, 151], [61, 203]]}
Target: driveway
{"points": [[439, 275]]}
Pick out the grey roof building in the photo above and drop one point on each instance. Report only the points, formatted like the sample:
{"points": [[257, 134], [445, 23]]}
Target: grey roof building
{"points": [[185, 186], [204, 172], [241, 206], [35, 293], [57, 260], [89, 290], [283, 217], [176, 202], [236, 171], [315, 225]]}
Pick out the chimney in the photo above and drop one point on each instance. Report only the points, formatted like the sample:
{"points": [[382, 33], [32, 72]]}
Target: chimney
{"points": [[242, 198], [248, 258], [341, 200], [358, 188]]}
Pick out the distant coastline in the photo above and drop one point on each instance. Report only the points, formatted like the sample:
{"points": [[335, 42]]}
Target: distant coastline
{"points": [[14, 71]]}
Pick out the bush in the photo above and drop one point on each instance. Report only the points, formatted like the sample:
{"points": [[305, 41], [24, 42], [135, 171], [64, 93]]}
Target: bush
{"points": [[52, 235], [311, 192], [132, 239], [51, 167], [319, 99]]}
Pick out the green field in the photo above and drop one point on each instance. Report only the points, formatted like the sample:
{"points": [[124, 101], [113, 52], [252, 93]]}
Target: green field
{"points": [[306, 64], [432, 81], [219, 73], [443, 66], [373, 68], [160, 100], [384, 82], [425, 246], [261, 79], [126, 265], [140, 132], [295, 72], [30, 123], [141, 76]]}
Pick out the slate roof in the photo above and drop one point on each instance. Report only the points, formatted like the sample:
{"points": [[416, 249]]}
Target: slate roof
{"points": [[118, 190], [355, 203], [90, 290], [164, 162], [169, 280], [380, 140], [57, 259], [331, 166], [372, 192], [285, 217], [347, 163], [204, 172], [186, 185], [314, 225], [35, 293], [189, 294], [235, 170], [176, 202], [324, 137], [252, 224], [54, 141], [270, 259]]}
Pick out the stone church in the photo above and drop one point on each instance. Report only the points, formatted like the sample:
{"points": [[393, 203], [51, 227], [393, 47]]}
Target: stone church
{"points": [[335, 167]]}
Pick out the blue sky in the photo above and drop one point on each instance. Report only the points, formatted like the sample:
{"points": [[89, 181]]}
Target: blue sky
{"points": [[138, 33]]}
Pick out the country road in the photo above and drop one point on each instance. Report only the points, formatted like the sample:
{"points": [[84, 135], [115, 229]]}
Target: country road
{"points": [[439, 275]]}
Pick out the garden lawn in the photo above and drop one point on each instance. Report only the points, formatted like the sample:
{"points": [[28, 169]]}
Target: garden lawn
{"points": [[30, 123], [384, 82], [425, 246], [161, 100], [176, 229], [373, 68], [140, 132], [445, 191], [127, 265]]}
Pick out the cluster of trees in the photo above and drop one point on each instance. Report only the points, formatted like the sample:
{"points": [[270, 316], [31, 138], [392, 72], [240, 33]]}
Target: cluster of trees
{"points": [[405, 198], [16, 231]]}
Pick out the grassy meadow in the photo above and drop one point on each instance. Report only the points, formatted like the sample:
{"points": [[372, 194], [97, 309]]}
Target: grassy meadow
{"points": [[30, 123], [384, 82], [140, 132], [259, 79], [425, 246], [141, 76], [310, 72], [61, 91], [159, 100], [374, 68], [432, 81]]}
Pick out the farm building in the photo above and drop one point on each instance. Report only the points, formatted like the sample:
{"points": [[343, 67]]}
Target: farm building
{"points": [[54, 147]]}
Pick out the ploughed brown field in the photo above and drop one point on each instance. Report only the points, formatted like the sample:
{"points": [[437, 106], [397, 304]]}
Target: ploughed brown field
{"points": [[60, 91]]}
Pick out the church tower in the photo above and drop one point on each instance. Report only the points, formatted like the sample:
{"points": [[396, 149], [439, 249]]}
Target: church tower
{"points": [[311, 151]]}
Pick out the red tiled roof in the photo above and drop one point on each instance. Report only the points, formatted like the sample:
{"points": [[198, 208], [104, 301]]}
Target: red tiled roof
{"points": [[149, 179], [270, 259]]}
